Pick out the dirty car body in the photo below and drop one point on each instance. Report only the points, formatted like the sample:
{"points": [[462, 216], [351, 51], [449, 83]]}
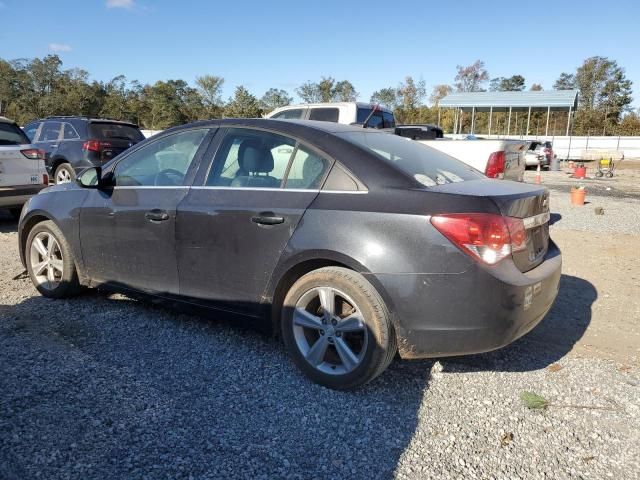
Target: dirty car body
{"points": [[235, 236]]}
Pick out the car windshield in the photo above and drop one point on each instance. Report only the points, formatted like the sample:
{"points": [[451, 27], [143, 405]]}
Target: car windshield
{"points": [[11, 134], [427, 165], [103, 131]]}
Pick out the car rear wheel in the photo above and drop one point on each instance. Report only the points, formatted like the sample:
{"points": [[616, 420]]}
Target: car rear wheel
{"points": [[50, 262], [337, 328], [64, 173]]}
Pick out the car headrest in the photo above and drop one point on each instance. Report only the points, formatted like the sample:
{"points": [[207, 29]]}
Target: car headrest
{"points": [[312, 168], [253, 157]]}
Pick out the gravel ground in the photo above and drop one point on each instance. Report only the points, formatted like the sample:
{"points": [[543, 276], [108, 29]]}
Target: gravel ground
{"points": [[103, 386]]}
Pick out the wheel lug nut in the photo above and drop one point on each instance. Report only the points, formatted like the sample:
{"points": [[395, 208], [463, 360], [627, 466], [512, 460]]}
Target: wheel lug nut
{"points": [[333, 322], [321, 332]]}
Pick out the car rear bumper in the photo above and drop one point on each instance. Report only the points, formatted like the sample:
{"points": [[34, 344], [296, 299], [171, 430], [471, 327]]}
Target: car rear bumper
{"points": [[475, 311], [16, 196]]}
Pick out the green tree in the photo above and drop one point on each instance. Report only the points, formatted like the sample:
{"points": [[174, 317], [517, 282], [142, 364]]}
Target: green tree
{"points": [[344, 91], [566, 81], [471, 78], [387, 97], [327, 90], [275, 98], [514, 83], [210, 90], [603, 85], [243, 105]]}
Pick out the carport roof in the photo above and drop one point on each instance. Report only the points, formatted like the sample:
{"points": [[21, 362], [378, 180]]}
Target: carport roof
{"points": [[502, 101]]}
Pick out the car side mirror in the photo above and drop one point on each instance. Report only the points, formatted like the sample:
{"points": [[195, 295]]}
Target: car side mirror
{"points": [[93, 178]]}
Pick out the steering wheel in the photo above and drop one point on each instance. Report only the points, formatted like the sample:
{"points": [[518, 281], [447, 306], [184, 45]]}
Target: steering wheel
{"points": [[168, 177]]}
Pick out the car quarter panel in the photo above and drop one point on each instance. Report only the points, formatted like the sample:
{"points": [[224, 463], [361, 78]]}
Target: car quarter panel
{"points": [[61, 204]]}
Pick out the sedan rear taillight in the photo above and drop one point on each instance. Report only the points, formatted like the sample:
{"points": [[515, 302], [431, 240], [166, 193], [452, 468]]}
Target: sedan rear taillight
{"points": [[33, 153], [95, 145], [485, 236], [496, 165], [45, 179]]}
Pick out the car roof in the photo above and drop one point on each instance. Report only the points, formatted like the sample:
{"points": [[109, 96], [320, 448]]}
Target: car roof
{"points": [[88, 119], [330, 105]]}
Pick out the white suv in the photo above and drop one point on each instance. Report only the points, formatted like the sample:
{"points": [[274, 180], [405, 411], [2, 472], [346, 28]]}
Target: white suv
{"points": [[341, 112], [22, 170]]}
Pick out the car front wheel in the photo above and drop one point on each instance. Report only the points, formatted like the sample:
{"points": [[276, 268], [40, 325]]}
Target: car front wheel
{"points": [[337, 328], [50, 262]]}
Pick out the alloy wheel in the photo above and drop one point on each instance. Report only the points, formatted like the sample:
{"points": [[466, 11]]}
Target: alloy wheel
{"points": [[46, 260], [63, 176], [329, 330]]}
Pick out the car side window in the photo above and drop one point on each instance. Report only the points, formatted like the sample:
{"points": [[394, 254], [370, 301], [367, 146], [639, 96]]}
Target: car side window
{"points": [[164, 162], [324, 114], [50, 132], [307, 170], [293, 114], [68, 132], [251, 159], [388, 120], [31, 130]]}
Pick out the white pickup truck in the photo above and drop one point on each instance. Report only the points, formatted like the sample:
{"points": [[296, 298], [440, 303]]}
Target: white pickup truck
{"points": [[495, 158], [22, 170]]}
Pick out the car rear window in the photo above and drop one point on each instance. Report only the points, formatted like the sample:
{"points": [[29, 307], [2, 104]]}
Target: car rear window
{"points": [[105, 130], [11, 134], [427, 165]]}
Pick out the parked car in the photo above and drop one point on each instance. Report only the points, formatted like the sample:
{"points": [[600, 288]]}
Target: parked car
{"points": [[502, 159], [73, 143], [22, 172], [351, 242], [348, 113], [535, 155]]}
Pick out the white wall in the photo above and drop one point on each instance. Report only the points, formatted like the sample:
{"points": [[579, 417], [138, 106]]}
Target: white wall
{"points": [[585, 147]]}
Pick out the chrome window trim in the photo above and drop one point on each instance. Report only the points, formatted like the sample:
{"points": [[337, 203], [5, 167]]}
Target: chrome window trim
{"points": [[146, 187], [181, 187]]}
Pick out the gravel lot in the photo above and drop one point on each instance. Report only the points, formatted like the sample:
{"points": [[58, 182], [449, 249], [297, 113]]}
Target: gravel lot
{"points": [[103, 386]]}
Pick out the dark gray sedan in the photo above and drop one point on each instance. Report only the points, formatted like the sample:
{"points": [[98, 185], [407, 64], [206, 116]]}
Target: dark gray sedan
{"points": [[354, 244]]}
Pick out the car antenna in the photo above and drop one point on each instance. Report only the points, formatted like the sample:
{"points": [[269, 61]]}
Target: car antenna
{"points": [[375, 108]]}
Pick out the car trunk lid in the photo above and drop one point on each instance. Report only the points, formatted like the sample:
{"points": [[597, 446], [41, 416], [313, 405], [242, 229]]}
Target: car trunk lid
{"points": [[524, 201]]}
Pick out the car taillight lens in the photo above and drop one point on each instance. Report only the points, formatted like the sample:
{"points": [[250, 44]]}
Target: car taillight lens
{"points": [[496, 165], [45, 179], [485, 236], [95, 145], [33, 153]]}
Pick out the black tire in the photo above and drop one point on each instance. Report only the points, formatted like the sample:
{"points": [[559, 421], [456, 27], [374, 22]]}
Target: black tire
{"points": [[375, 354], [68, 284], [64, 170], [15, 212]]}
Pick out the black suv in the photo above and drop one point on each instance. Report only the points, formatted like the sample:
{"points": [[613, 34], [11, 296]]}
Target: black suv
{"points": [[75, 143]]}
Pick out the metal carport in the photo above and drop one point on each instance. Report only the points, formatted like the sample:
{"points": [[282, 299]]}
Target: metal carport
{"points": [[549, 101]]}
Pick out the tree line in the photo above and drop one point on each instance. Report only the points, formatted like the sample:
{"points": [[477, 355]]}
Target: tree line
{"points": [[40, 87]]}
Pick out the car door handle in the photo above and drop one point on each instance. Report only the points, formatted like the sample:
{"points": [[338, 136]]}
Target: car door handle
{"points": [[267, 219], [156, 215]]}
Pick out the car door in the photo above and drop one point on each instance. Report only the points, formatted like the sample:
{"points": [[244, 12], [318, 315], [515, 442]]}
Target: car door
{"points": [[232, 229], [128, 231], [48, 138]]}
